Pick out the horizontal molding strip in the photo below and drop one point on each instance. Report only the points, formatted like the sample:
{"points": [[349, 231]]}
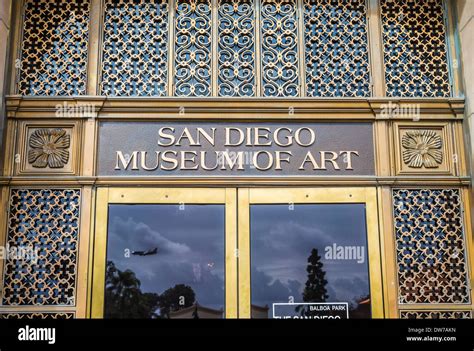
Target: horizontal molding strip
{"points": [[233, 108], [407, 181]]}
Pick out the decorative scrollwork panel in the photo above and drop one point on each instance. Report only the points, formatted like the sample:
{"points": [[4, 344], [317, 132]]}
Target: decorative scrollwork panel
{"points": [[54, 47], [193, 63], [135, 48], [44, 224], [435, 314], [430, 246], [236, 48], [336, 48], [279, 48], [415, 51]]}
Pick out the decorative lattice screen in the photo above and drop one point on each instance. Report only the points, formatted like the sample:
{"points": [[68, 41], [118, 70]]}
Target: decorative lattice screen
{"points": [[414, 44], [55, 47], [45, 223], [430, 246]]}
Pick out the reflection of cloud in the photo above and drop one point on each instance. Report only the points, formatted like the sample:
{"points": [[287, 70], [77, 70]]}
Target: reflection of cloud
{"points": [[350, 289], [197, 272], [187, 254], [294, 287], [277, 240], [332, 293], [129, 230], [282, 241], [266, 290]]}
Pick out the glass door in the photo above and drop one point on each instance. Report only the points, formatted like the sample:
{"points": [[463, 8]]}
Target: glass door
{"points": [[309, 253], [165, 253], [226, 252]]}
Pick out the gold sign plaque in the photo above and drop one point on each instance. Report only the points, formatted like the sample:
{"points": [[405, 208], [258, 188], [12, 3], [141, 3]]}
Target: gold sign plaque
{"points": [[240, 149]]}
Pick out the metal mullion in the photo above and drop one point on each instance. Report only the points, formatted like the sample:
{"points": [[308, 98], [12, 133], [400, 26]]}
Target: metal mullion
{"points": [[95, 47], [214, 40], [258, 51], [301, 47], [243, 254], [378, 85], [171, 40]]}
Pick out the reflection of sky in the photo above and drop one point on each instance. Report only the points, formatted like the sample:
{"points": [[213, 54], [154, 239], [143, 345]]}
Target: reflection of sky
{"points": [[190, 246], [282, 240]]}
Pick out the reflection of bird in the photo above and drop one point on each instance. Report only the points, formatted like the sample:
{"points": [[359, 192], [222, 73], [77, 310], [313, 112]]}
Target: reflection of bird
{"points": [[145, 253]]}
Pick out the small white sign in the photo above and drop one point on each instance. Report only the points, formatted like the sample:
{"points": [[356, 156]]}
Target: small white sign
{"points": [[311, 310]]}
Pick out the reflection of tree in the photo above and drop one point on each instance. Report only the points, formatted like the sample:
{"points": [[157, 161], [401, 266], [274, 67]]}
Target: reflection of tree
{"points": [[123, 297], [176, 298], [315, 287]]}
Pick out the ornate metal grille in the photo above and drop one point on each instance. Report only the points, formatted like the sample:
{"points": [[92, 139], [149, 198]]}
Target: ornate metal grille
{"points": [[55, 43], [415, 52], [430, 246], [46, 222], [236, 48], [336, 48], [37, 315], [279, 48], [135, 51], [193, 48], [435, 314]]}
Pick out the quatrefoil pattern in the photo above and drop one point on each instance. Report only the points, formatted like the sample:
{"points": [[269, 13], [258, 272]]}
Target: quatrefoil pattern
{"points": [[430, 246], [54, 50], [336, 48], [435, 314], [415, 52], [46, 223], [239, 48], [37, 315], [135, 48]]}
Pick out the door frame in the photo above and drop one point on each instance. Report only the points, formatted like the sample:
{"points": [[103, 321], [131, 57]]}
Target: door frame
{"points": [[107, 196], [237, 203], [365, 195]]}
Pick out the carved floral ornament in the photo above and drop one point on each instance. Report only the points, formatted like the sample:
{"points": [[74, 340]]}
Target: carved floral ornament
{"points": [[422, 148], [49, 147]]}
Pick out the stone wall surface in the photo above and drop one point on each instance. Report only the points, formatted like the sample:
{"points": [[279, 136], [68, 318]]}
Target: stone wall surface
{"points": [[465, 14], [5, 16]]}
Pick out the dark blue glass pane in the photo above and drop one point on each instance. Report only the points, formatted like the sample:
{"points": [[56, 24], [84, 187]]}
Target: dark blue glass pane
{"points": [[309, 254], [165, 261]]}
